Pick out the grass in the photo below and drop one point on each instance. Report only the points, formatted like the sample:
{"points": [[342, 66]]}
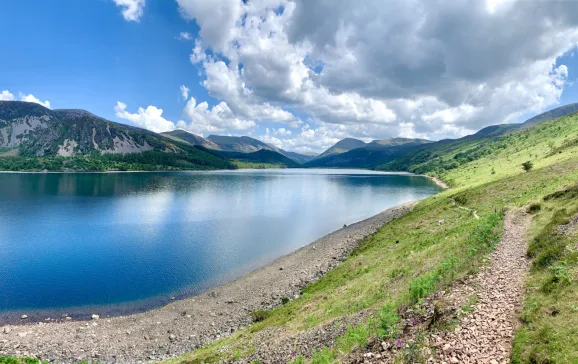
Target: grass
{"points": [[434, 254], [550, 315]]}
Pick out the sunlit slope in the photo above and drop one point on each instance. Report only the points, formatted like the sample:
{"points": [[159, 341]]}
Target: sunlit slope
{"points": [[474, 160]]}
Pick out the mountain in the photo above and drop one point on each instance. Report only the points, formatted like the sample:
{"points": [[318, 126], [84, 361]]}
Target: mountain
{"points": [[440, 157], [343, 146], [393, 142], [370, 155], [297, 157], [29, 130], [552, 114], [188, 137], [260, 157], [243, 144], [495, 130], [247, 144]]}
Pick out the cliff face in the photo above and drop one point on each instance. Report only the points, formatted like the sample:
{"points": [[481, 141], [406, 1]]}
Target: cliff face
{"points": [[30, 129]]}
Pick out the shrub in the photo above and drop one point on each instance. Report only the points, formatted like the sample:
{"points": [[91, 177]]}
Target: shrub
{"points": [[284, 300], [260, 315], [534, 208], [388, 321], [527, 166]]}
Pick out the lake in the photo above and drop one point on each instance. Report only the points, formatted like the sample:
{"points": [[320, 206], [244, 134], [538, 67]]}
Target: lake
{"points": [[125, 242]]}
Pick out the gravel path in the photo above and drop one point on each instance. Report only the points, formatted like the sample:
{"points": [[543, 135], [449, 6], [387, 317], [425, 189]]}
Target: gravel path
{"points": [[185, 325], [484, 335]]}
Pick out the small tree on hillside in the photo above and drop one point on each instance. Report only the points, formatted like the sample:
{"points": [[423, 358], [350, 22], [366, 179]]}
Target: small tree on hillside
{"points": [[527, 166]]}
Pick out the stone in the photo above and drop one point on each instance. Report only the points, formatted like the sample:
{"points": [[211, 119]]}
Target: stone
{"points": [[95, 317], [24, 317], [6, 330], [172, 337]]}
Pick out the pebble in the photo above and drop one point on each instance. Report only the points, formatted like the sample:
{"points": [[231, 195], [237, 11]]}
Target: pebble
{"points": [[95, 317]]}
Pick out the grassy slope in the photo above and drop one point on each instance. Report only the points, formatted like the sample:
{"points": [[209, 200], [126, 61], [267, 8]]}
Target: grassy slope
{"points": [[433, 254], [436, 253], [471, 160]]}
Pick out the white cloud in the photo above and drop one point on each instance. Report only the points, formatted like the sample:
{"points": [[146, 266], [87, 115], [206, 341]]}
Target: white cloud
{"points": [[282, 132], [32, 98], [184, 92], [185, 36], [422, 68], [6, 96], [206, 120], [132, 10], [216, 18], [150, 118]]}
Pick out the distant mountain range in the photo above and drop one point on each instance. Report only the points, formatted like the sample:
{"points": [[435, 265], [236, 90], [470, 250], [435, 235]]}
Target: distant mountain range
{"points": [[243, 144], [29, 130]]}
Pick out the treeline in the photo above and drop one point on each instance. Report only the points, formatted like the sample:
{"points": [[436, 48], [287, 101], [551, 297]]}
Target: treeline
{"points": [[146, 161]]}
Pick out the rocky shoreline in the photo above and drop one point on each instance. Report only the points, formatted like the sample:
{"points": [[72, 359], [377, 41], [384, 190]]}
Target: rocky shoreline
{"points": [[185, 325]]}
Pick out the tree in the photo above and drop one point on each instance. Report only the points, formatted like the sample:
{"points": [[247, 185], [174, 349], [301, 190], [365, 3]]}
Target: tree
{"points": [[527, 166]]}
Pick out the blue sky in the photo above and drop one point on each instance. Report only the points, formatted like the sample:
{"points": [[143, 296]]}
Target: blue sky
{"points": [[83, 54], [257, 65]]}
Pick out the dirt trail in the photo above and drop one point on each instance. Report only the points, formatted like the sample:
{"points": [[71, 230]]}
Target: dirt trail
{"points": [[485, 335], [493, 296]]}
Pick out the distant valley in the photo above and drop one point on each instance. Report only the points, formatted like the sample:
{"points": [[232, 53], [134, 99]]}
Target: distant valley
{"points": [[35, 138]]}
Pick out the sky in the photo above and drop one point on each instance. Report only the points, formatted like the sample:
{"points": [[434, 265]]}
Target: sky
{"points": [[299, 74]]}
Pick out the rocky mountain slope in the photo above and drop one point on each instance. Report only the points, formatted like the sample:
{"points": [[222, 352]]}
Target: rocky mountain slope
{"points": [[29, 130], [188, 137], [245, 144]]}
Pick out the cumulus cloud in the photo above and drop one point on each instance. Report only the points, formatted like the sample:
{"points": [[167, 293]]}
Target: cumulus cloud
{"points": [[5, 95], [150, 118], [184, 92], [421, 68], [205, 120], [185, 36], [132, 10], [32, 98]]}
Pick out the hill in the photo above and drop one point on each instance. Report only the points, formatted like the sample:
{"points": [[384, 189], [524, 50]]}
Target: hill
{"points": [[37, 138], [342, 146], [188, 137], [443, 156], [369, 156], [245, 144], [262, 158], [369, 305]]}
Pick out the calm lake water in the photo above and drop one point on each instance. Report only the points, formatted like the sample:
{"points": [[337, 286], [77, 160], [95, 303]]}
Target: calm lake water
{"points": [[130, 241]]}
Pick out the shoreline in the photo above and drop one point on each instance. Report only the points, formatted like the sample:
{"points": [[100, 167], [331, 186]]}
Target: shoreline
{"points": [[184, 325], [437, 181]]}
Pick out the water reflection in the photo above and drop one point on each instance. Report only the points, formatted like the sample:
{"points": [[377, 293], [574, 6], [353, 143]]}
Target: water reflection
{"points": [[69, 240]]}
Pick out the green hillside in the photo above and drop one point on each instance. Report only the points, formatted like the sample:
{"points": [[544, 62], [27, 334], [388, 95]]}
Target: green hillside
{"points": [[478, 159], [260, 159], [366, 293], [368, 156]]}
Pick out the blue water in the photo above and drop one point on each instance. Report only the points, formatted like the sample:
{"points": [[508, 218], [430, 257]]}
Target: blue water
{"points": [[129, 241]]}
